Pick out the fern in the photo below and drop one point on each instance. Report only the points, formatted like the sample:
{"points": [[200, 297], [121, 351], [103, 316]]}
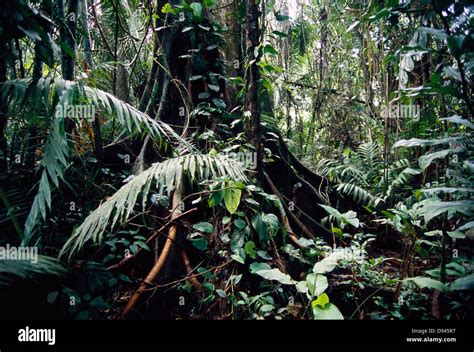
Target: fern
{"points": [[165, 176], [361, 176], [358, 193]]}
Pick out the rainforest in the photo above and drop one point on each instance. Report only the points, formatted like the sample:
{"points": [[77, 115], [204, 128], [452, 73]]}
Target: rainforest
{"points": [[236, 159]]}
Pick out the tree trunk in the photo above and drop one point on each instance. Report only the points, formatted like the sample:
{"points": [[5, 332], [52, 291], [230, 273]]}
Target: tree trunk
{"points": [[252, 129], [68, 36]]}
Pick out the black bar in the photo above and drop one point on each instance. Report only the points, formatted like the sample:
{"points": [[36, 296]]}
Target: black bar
{"points": [[84, 334]]}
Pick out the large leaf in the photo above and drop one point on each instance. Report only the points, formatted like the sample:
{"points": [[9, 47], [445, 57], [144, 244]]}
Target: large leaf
{"points": [[425, 160], [46, 97], [316, 284], [463, 283], [459, 120], [323, 310], [434, 207], [232, 199], [426, 282], [266, 225], [263, 270], [325, 266], [416, 142]]}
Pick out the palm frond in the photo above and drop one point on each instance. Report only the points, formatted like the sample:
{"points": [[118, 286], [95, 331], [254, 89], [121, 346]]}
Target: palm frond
{"points": [[164, 176], [53, 163], [13, 270], [28, 94], [47, 95]]}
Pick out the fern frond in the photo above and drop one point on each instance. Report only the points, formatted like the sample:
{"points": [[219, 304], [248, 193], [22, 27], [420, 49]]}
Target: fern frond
{"points": [[401, 179], [358, 194], [164, 176], [368, 152]]}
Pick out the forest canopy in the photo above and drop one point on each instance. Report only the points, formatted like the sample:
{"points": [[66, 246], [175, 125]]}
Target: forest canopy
{"points": [[237, 159]]}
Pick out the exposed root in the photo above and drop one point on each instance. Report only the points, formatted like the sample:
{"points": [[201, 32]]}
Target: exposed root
{"points": [[159, 264], [284, 219], [187, 264], [152, 237]]}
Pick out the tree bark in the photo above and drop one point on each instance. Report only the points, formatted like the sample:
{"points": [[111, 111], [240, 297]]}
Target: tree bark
{"points": [[68, 36], [252, 128]]}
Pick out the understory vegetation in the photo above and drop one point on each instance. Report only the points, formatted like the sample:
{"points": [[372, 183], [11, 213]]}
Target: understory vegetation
{"points": [[236, 159]]}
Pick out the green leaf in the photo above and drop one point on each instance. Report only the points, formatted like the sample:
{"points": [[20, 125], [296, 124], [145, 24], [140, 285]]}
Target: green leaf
{"points": [[321, 301], [316, 284], [266, 225], [329, 312], [204, 95], [459, 120], [268, 49], [250, 249], [221, 293], [425, 160], [416, 142], [279, 17], [232, 199], [463, 283], [204, 227], [275, 275], [280, 34], [240, 224], [52, 296], [426, 282], [238, 258], [200, 243], [208, 3], [456, 234], [215, 198], [254, 267], [325, 266], [331, 211], [432, 207], [197, 9], [166, 8], [219, 103]]}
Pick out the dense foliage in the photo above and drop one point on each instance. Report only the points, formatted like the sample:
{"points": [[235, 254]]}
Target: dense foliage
{"points": [[269, 159]]}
